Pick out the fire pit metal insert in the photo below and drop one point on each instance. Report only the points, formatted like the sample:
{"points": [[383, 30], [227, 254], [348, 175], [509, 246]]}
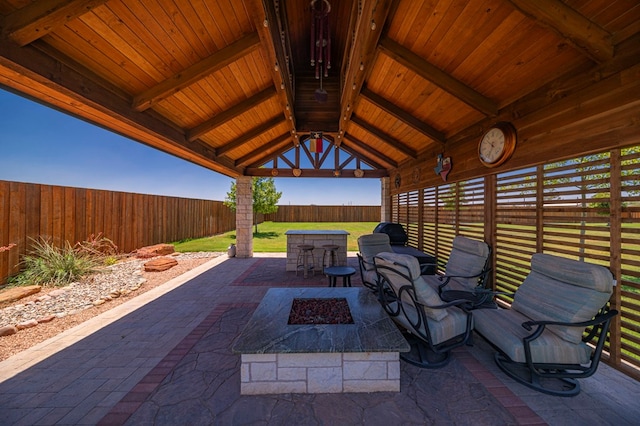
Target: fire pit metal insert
{"points": [[320, 311]]}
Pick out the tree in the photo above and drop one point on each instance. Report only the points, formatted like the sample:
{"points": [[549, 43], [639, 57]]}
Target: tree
{"points": [[265, 196]]}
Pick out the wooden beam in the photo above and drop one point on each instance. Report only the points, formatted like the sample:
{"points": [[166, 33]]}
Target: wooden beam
{"points": [[263, 158], [314, 173], [403, 116], [438, 77], [369, 161], [39, 18], [75, 89], [230, 113], [388, 139], [197, 71], [586, 35], [369, 25], [370, 151], [251, 134]]}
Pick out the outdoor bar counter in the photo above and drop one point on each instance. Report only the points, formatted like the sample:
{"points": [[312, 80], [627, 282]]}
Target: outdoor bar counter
{"points": [[318, 238]]}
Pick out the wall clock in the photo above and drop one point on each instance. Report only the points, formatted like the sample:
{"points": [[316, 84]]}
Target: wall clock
{"points": [[497, 144]]}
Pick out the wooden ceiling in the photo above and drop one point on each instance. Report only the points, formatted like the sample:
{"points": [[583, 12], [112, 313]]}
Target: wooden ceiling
{"points": [[228, 84]]}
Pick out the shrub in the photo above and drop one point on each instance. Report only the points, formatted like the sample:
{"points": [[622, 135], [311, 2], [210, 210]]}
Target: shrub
{"points": [[46, 264]]}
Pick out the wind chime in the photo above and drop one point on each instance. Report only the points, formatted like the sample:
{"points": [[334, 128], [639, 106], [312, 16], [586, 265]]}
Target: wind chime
{"points": [[320, 43]]}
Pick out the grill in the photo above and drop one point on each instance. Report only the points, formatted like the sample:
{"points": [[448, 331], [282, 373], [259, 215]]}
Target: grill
{"points": [[395, 231]]}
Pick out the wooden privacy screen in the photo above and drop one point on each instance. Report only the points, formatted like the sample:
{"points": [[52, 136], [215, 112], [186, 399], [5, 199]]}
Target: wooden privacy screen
{"points": [[130, 220], [586, 208]]}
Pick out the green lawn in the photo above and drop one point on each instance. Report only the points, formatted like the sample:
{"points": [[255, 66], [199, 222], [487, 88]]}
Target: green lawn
{"points": [[270, 237]]}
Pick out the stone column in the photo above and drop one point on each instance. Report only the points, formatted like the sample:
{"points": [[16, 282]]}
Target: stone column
{"points": [[385, 199], [244, 217]]}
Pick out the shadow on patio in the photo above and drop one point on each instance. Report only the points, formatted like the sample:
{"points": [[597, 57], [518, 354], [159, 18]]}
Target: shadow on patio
{"points": [[166, 359]]}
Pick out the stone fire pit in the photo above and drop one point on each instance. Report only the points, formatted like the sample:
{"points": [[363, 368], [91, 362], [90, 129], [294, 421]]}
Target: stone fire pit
{"points": [[319, 357]]}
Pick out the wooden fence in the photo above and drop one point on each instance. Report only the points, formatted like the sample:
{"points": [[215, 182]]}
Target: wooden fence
{"points": [[130, 220], [288, 213]]}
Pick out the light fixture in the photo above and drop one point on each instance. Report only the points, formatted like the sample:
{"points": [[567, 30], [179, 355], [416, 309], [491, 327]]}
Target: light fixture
{"points": [[282, 85], [361, 66], [265, 23], [373, 25], [276, 67], [336, 173]]}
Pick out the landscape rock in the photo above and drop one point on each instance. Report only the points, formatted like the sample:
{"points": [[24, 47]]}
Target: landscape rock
{"points": [[27, 324], [8, 330], [47, 318], [160, 264], [17, 293], [155, 250]]}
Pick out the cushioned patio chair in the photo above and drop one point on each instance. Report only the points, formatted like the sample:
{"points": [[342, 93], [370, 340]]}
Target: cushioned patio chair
{"points": [[466, 273], [541, 340], [435, 327], [370, 245]]}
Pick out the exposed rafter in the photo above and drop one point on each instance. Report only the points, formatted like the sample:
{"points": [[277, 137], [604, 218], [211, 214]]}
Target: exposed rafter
{"points": [[196, 72], [403, 116], [230, 113], [438, 77], [103, 103], [588, 36], [42, 17], [263, 155], [370, 152], [387, 139], [251, 134]]}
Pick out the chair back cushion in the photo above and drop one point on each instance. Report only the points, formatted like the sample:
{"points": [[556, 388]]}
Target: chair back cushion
{"points": [[565, 290], [372, 244], [467, 259], [394, 264]]}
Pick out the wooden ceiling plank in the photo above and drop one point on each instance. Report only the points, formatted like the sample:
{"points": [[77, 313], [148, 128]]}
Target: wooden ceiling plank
{"points": [[438, 77], [251, 134], [370, 151], [263, 158], [403, 116], [389, 140], [230, 113], [588, 36], [39, 18], [197, 71]]}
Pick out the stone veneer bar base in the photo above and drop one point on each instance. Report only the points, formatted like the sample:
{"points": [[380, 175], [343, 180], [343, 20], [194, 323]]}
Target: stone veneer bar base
{"points": [[320, 373], [277, 357]]}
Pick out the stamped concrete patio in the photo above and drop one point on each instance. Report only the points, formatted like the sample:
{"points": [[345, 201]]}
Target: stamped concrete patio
{"points": [[165, 358]]}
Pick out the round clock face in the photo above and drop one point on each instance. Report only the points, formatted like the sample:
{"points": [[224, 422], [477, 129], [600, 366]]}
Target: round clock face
{"points": [[497, 144]]}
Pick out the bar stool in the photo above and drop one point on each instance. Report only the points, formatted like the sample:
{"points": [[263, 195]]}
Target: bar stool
{"points": [[332, 251], [305, 252]]}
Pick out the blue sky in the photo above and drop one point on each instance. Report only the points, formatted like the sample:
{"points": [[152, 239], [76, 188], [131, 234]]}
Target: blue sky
{"points": [[42, 145]]}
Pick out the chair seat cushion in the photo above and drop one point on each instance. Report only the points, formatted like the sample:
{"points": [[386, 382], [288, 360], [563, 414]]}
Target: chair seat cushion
{"points": [[453, 324], [502, 327]]}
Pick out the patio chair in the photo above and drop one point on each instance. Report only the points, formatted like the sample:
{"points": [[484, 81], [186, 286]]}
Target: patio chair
{"points": [[466, 273], [369, 246], [434, 327], [541, 340]]}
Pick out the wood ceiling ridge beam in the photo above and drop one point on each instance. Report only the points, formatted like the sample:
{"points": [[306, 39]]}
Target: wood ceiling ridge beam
{"points": [[197, 71], [275, 143], [430, 72], [230, 113], [386, 138], [40, 18], [588, 36], [251, 134], [371, 151], [403, 116]]}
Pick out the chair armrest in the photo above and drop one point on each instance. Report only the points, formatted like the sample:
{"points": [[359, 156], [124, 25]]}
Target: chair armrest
{"points": [[601, 318]]}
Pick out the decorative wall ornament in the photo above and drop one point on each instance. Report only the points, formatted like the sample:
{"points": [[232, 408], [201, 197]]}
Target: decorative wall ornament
{"points": [[416, 175], [358, 173], [398, 180], [443, 167], [274, 172], [297, 172]]}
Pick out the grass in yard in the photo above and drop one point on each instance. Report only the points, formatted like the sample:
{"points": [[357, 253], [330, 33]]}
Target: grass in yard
{"points": [[270, 237]]}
